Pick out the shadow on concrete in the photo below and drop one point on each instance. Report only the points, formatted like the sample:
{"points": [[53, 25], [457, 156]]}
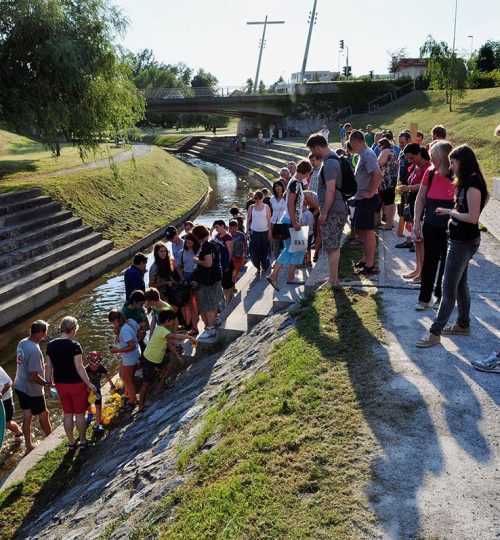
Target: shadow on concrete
{"points": [[397, 415]]}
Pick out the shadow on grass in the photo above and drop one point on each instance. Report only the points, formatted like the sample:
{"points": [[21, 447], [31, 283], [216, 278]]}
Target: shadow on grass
{"points": [[393, 408], [18, 166], [487, 107]]}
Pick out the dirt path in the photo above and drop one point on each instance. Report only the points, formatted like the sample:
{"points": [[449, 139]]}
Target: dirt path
{"points": [[137, 150], [437, 475]]}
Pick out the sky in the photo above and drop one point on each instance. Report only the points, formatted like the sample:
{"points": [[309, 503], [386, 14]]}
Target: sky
{"points": [[213, 34]]}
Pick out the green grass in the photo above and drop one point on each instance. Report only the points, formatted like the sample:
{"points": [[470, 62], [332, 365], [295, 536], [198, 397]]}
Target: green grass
{"points": [[162, 140], [146, 194], [293, 452], [167, 137], [472, 122], [21, 156]]}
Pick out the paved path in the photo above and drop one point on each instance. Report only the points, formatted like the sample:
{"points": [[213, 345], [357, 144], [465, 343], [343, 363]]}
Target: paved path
{"points": [[437, 473], [137, 150]]}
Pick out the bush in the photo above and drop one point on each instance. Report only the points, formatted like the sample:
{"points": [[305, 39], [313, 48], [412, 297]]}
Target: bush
{"points": [[485, 79]]}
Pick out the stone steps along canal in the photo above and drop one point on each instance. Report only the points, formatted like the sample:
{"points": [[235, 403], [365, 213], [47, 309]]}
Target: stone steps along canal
{"points": [[91, 304]]}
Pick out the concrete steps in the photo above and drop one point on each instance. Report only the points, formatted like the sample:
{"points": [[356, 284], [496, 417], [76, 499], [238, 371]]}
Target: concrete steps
{"points": [[42, 247]]}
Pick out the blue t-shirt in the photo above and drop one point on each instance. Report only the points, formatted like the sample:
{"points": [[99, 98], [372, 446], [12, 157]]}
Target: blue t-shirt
{"points": [[134, 280], [128, 333]]}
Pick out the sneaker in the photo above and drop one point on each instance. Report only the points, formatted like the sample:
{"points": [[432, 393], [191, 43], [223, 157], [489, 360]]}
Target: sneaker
{"points": [[90, 418], [490, 364], [98, 429], [359, 264], [404, 244], [436, 303], [208, 333], [428, 340], [422, 306], [456, 330]]}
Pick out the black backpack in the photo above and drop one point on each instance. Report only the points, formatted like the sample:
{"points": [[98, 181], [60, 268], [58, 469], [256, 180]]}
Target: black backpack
{"points": [[349, 186]]}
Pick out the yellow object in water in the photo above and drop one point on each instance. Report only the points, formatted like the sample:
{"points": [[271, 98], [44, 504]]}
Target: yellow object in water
{"points": [[92, 409], [110, 411], [92, 398], [106, 421], [116, 396]]}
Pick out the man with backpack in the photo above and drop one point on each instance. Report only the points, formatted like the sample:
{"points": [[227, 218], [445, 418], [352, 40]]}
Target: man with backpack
{"points": [[334, 177]]}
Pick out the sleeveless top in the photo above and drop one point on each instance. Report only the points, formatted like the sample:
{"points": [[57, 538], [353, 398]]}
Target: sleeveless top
{"points": [[259, 220]]}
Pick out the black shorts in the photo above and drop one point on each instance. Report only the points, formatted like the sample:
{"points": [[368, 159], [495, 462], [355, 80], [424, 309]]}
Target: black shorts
{"points": [[388, 196], [227, 277], [150, 369], [35, 404], [8, 405], [364, 213]]}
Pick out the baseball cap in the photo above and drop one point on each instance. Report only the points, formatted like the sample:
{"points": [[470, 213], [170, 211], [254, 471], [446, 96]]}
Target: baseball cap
{"points": [[170, 232]]}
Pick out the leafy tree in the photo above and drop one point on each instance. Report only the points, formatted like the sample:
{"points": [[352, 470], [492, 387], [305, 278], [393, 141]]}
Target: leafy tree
{"points": [[142, 60], [262, 88], [61, 73], [203, 79], [273, 87], [488, 56], [249, 86], [446, 71], [396, 57]]}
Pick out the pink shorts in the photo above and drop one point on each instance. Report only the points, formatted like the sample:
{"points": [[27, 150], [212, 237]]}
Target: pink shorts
{"points": [[74, 397]]}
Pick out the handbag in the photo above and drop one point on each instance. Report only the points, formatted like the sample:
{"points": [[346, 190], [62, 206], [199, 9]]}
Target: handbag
{"points": [[281, 231], [299, 240]]}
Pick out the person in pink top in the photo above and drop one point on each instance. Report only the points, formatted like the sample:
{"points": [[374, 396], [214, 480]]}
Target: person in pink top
{"points": [[436, 191], [419, 157]]}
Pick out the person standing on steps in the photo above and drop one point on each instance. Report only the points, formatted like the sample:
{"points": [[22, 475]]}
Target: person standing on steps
{"points": [[316, 168], [436, 190], [368, 178], [295, 198], [465, 237], [333, 208], [30, 382], [259, 227], [325, 132], [225, 238], [278, 209], [134, 275], [65, 367]]}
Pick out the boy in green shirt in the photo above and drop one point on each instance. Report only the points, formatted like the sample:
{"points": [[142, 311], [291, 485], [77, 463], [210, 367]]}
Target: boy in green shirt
{"points": [[155, 356]]}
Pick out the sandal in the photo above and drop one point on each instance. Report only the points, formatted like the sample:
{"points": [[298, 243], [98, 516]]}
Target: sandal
{"points": [[274, 285], [85, 445], [72, 447]]}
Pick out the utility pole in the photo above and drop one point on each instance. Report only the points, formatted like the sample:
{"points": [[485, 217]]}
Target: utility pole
{"points": [[262, 43], [312, 21], [471, 45]]}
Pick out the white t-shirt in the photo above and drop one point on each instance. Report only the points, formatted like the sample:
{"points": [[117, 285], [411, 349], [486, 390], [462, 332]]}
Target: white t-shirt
{"points": [[325, 132], [278, 209], [308, 219], [4, 379]]}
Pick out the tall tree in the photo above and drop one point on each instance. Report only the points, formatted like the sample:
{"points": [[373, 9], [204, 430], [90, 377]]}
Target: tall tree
{"points": [[61, 72], [446, 71], [396, 57], [488, 56]]}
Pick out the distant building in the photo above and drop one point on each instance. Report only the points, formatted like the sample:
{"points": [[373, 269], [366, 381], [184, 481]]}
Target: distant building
{"points": [[411, 67], [309, 77]]}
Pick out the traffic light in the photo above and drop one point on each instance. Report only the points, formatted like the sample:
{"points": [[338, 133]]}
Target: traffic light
{"points": [[371, 74], [349, 72], [344, 69], [341, 44]]}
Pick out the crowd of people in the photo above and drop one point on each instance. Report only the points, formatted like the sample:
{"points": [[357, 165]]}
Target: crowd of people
{"points": [[442, 193]]}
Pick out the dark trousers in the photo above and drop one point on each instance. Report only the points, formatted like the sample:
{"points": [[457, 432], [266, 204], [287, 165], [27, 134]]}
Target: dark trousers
{"points": [[435, 247], [259, 250], [455, 286]]}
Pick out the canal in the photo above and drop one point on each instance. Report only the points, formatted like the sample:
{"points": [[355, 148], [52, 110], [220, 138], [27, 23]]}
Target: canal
{"points": [[91, 304]]}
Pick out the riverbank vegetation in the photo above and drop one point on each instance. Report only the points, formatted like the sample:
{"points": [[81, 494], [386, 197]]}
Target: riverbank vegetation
{"points": [[289, 457], [129, 201]]}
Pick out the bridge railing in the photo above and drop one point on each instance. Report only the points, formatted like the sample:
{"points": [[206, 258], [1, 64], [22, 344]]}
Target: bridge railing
{"points": [[197, 92]]}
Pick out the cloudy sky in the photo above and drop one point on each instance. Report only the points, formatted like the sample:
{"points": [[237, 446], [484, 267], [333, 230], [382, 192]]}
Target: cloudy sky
{"points": [[213, 34]]}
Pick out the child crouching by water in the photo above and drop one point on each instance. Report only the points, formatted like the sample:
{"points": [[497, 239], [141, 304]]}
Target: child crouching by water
{"points": [[95, 370], [156, 358]]}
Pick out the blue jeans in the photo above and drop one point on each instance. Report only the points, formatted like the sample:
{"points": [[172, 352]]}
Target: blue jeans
{"points": [[455, 286]]}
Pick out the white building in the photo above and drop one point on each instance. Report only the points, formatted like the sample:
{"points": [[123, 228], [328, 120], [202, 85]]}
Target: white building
{"points": [[309, 76]]}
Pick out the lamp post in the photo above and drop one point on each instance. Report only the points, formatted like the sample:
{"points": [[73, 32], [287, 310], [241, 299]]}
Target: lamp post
{"points": [[262, 43], [312, 21]]}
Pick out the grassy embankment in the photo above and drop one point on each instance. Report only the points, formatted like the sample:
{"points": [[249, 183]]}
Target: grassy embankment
{"points": [[293, 450], [147, 193], [472, 122], [22, 156]]}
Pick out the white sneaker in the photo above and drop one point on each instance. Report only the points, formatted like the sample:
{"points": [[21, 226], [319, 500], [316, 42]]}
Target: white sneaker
{"points": [[490, 364], [422, 306], [208, 333]]}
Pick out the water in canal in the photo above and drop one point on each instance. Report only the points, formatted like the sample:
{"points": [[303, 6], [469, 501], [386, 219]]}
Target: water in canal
{"points": [[91, 304]]}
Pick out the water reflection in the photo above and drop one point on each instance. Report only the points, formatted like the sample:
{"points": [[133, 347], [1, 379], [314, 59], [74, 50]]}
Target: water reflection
{"points": [[91, 304]]}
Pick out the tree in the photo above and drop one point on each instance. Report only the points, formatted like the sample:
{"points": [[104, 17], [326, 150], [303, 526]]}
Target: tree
{"points": [[488, 56], [445, 71], [61, 73], [203, 79], [262, 88], [249, 86], [396, 57]]}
